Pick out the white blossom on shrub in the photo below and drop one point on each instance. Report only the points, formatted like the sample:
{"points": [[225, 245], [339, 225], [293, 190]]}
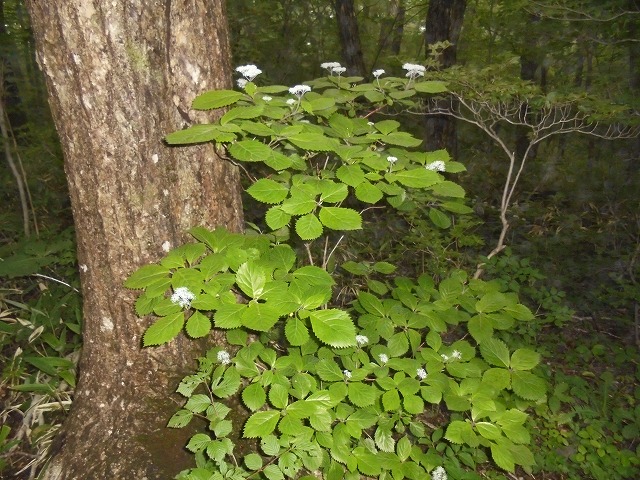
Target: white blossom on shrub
{"points": [[249, 71], [413, 70], [439, 473], [437, 166], [300, 90], [223, 357], [183, 297]]}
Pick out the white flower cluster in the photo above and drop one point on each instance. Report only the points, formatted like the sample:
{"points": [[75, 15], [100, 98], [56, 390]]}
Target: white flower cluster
{"points": [[249, 72], [377, 73], [439, 473], [362, 340], [421, 373], [392, 160], [437, 166], [338, 70], [183, 297], [267, 98], [223, 357], [333, 67], [242, 82], [299, 90], [413, 70], [455, 355], [347, 374], [383, 358]]}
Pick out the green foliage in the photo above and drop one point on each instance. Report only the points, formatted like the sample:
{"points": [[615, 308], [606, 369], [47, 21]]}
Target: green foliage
{"points": [[342, 391]]}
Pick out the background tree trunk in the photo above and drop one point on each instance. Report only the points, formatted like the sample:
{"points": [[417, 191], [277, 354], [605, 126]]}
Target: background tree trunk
{"points": [[120, 75], [349, 38], [444, 22]]}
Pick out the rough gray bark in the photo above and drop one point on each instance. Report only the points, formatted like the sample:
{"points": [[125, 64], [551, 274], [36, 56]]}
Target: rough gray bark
{"points": [[349, 37], [444, 22], [120, 75]]}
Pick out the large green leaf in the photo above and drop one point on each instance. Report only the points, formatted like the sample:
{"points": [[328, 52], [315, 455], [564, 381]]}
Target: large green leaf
{"points": [[269, 191], [333, 327], [492, 302], [260, 317], [338, 218], [448, 189], [199, 134], [480, 328], [313, 141], [216, 99], [254, 396], [430, 86], [277, 218], [524, 359], [368, 193], [308, 227], [251, 279], [198, 325], [415, 178], [261, 424], [296, 332], [528, 386], [352, 175], [249, 151], [495, 352], [164, 329], [242, 112], [502, 456], [146, 275], [362, 395], [439, 219]]}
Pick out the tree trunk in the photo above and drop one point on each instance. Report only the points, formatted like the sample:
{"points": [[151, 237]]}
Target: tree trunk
{"points": [[120, 75], [444, 22], [349, 37]]}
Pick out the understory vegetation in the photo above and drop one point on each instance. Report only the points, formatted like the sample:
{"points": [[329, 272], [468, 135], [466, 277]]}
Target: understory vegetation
{"points": [[389, 312]]}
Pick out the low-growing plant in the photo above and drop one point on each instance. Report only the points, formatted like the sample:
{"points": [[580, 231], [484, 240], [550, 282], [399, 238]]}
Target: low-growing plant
{"points": [[409, 380]]}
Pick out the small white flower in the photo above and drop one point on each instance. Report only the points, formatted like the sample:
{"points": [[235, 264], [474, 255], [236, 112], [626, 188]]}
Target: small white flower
{"points": [[423, 29], [292, 101], [267, 98], [338, 70], [242, 82], [371, 124], [383, 358], [300, 90], [421, 373], [249, 71], [330, 65], [347, 374], [377, 73], [84, 268], [392, 160], [456, 354], [183, 297], [166, 246], [223, 357], [437, 166], [444, 357], [413, 70], [362, 339], [439, 473]]}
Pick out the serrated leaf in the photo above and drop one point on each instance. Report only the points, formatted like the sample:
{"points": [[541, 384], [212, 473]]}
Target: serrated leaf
{"points": [[146, 275], [338, 218], [333, 327], [361, 395], [480, 328], [503, 457], [492, 302], [253, 461], [198, 403], [448, 189], [277, 218], [180, 419], [368, 193], [368, 463], [524, 359], [164, 329], [273, 472], [519, 312], [333, 192], [351, 175], [391, 400], [402, 139], [198, 325], [387, 126], [439, 219], [413, 404], [198, 442], [268, 191], [249, 151], [403, 448], [299, 204], [312, 275], [415, 178], [314, 142], [251, 279], [279, 395], [260, 317], [296, 332], [216, 99], [261, 424], [489, 430], [384, 440], [495, 352], [247, 112], [308, 227], [270, 445], [254, 396], [430, 86], [199, 134], [528, 386], [329, 371]]}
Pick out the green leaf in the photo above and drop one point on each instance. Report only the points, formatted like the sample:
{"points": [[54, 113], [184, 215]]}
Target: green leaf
{"points": [[261, 424], [279, 395], [403, 448], [329, 371], [368, 463], [492, 302], [495, 352], [268, 191], [338, 218], [199, 134], [351, 175], [503, 457], [528, 386], [489, 430], [519, 312], [254, 397], [313, 275], [164, 329], [333, 192], [384, 440], [448, 189], [402, 139], [391, 400], [250, 151], [368, 193], [198, 325], [251, 279], [387, 126], [361, 395], [198, 403], [416, 178], [480, 328], [299, 204], [180, 419], [227, 385], [439, 219], [273, 472], [277, 218], [308, 227], [242, 112], [253, 461], [260, 317], [198, 442], [229, 315], [524, 359], [430, 86], [216, 99], [296, 332], [314, 142], [146, 276], [333, 327]]}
